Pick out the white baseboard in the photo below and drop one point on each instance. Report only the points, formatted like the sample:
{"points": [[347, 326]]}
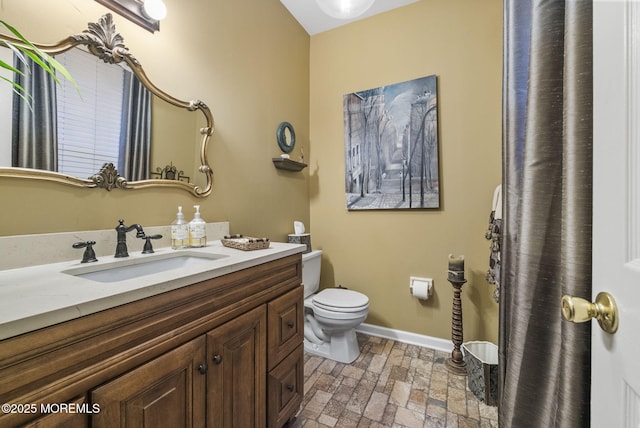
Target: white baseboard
{"points": [[406, 337]]}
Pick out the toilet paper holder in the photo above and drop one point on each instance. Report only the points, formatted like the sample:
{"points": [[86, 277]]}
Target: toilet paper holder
{"points": [[422, 288]]}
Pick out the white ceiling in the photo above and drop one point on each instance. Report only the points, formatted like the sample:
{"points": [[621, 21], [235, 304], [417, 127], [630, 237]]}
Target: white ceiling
{"points": [[315, 21]]}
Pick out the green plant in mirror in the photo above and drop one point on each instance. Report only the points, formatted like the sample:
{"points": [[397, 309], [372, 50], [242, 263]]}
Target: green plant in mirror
{"points": [[24, 49]]}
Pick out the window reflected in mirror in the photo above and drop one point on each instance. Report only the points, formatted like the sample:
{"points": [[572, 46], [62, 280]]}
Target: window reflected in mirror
{"points": [[100, 94]]}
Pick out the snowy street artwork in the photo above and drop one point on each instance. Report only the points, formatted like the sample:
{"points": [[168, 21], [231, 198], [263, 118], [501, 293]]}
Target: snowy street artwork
{"points": [[391, 146]]}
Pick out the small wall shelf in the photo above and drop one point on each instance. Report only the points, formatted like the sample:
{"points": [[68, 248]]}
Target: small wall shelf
{"points": [[288, 164]]}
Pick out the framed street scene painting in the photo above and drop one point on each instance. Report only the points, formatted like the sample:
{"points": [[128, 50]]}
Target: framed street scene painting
{"points": [[391, 146]]}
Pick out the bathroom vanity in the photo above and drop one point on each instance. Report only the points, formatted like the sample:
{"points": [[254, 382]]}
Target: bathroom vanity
{"points": [[215, 344]]}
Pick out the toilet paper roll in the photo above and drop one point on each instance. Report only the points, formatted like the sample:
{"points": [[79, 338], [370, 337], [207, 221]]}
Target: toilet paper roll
{"points": [[420, 288]]}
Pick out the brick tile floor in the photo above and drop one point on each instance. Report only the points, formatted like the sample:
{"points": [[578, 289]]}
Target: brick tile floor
{"points": [[391, 384]]}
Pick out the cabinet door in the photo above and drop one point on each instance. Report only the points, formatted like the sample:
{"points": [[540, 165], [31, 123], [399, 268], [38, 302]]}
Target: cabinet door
{"points": [[168, 391], [236, 390]]}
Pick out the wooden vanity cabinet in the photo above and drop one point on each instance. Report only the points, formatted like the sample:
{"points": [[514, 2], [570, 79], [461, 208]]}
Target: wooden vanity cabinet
{"points": [[225, 352]]}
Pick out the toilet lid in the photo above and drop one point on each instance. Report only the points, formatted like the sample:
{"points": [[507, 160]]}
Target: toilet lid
{"points": [[340, 299]]}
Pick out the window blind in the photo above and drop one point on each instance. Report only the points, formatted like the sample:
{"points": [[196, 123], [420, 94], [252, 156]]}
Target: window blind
{"points": [[88, 121]]}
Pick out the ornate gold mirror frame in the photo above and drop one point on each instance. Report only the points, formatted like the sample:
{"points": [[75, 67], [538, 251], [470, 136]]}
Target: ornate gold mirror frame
{"points": [[102, 40]]}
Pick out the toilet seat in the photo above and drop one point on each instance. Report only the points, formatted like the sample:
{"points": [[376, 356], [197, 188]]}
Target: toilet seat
{"points": [[341, 300]]}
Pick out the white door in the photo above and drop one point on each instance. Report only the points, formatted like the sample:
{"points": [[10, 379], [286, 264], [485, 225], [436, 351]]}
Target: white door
{"points": [[615, 384]]}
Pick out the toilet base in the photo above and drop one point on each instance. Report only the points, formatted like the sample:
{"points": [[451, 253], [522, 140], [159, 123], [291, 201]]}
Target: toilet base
{"points": [[342, 347]]}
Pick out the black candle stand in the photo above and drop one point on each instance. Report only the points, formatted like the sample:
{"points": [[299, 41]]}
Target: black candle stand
{"points": [[456, 363]]}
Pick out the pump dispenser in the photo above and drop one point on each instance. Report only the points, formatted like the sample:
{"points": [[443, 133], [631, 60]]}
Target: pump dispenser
{"points": [[179, 231], [197, 230]]}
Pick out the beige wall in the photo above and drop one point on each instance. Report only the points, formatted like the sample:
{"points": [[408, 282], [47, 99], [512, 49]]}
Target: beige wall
{"points": [[377, 251], [247, 59], [255, 67]]}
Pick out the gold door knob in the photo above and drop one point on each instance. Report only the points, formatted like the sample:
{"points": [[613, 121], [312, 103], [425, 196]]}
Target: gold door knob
{"points": [[604, 309]]}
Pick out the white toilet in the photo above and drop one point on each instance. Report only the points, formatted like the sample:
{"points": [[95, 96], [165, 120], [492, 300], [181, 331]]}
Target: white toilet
{"points": [[331, 315]]}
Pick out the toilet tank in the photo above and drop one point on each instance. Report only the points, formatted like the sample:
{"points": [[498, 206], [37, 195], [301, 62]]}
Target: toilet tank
{"points": [[311, 272]]}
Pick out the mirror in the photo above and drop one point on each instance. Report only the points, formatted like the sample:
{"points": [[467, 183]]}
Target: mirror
{"points": [[286, 137], [179, 130]]}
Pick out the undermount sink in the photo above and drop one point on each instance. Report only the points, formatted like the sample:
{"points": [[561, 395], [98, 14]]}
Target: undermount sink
{"points": [[122, 270]]}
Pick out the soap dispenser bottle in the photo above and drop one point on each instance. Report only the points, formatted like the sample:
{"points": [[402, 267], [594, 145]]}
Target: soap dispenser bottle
{"points": [[197, 230], [179, 231]]}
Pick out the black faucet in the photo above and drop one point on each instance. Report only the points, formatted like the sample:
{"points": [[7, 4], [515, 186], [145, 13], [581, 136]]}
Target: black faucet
{"points": [[148, 248], [121, 245], [89, 255]]}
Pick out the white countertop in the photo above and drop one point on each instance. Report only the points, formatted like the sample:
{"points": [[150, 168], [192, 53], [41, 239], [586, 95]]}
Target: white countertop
{"points": [[39, 296]]}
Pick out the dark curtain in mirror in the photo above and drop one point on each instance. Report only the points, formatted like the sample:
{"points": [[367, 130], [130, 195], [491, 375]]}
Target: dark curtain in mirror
{"points": [[34, 138], [135, 134]]}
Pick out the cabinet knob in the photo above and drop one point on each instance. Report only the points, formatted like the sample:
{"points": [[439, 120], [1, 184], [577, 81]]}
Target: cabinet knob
{"points": [[290, 388], [202, 368], [290, 324], [217, 358]]}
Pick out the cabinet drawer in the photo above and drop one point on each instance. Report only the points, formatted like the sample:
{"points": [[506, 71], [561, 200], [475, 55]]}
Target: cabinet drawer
{"points": [[285, 325], [285, 386]]}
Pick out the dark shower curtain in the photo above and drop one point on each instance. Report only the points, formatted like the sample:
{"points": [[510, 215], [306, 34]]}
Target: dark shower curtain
{"points": [[546, 247]]}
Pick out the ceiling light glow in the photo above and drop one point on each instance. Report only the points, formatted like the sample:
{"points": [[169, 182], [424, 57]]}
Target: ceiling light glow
{"points": [[344, 9]]}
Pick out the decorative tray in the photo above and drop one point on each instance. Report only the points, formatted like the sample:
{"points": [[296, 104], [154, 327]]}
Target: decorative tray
{"points": [[245, 243]]}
